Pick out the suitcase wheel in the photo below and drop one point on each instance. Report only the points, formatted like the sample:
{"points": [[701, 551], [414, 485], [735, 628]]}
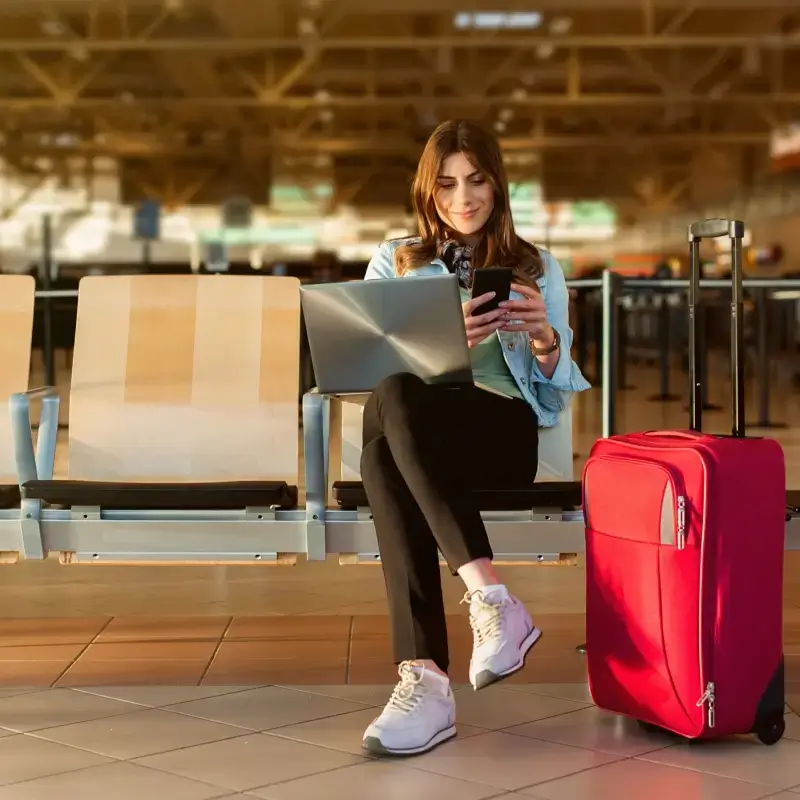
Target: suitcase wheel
{"points": [[771, 729]]}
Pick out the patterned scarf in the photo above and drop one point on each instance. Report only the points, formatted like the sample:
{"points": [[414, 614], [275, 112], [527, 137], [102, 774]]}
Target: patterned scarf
{"points": [[458, 259]]}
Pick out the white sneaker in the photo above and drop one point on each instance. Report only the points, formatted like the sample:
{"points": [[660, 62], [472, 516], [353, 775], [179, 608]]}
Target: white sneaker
{"points": [[420, 715], [503, 632]]}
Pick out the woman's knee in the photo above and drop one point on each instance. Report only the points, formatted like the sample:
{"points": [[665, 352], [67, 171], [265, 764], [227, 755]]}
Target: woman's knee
{"points": [[397, 389]]}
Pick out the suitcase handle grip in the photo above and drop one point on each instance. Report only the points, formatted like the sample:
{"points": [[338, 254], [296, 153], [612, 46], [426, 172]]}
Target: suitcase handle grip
{"points": [[675, 434], [714, 228]]}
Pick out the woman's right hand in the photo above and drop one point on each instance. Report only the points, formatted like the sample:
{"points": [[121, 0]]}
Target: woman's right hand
{"points": [[484, 325]]}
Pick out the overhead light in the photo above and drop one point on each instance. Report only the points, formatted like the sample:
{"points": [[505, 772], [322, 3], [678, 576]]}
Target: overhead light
{"points": [[506, 114], [79, 52], [53, 27], [497, 20], [560, 26], [326, 115], [322, 96], [519, 94], [500, 126], [545, 50], [306, 27]]}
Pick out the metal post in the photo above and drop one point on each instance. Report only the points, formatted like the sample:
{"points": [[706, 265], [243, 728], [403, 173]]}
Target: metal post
{"points": [[610, 344], [762, 367], [47, 303], [664, 395]]}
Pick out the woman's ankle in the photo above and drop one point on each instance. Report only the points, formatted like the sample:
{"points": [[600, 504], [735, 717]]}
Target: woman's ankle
{"points": [[430, 666], [479, 574]]}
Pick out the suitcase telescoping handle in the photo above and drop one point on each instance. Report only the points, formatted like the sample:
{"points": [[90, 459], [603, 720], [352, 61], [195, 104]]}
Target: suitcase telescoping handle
{"points": [[712, 229]]}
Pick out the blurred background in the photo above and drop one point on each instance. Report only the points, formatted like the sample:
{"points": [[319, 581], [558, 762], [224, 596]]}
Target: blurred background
{"points": [[255, 134]]}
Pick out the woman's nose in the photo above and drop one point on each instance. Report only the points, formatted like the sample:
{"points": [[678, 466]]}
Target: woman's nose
{"points": [[463, 194]]}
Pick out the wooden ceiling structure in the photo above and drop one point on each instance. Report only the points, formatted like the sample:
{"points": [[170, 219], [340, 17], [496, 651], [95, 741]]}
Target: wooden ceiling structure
{"points": [[641, 101]]}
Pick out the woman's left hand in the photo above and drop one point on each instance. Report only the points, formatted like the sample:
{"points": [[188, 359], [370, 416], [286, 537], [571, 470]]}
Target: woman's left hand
{"points": [[528, 315]]}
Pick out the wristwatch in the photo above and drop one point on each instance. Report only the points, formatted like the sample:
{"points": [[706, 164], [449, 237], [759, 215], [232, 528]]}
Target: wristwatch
{"points": [[546, 351]]}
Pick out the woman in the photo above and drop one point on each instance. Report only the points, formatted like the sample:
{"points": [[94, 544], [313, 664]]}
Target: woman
{"points": [[425, 447]]}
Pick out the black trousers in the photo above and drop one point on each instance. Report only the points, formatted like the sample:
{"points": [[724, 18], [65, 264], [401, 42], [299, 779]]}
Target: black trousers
{"points": [[425, 447]]}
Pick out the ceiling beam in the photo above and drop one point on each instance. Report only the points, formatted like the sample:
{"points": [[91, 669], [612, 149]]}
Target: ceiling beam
{"points": [[385, 144], [476, 102], [767, 41]]}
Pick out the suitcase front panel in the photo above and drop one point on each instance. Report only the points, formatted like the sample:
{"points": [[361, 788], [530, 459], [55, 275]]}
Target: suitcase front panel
{"points": [[643, 592]]}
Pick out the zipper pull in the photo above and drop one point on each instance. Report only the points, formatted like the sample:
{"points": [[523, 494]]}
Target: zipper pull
{"points": [[681, 522], [709, 699]]}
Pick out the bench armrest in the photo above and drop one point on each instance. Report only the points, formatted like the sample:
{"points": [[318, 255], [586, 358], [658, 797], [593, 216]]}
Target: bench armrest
{"points": [[316, 451], [39, 465]]}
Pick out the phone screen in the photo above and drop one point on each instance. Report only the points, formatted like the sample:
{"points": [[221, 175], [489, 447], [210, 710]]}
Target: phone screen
{"points": [[491, 279]]}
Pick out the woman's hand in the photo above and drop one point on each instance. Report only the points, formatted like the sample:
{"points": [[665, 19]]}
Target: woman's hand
{"points": [[484, 325], [528, 315]]}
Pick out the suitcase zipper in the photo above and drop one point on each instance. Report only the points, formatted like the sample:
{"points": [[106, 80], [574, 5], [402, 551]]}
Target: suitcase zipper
{"points": [[681, 522], [709, 700]]}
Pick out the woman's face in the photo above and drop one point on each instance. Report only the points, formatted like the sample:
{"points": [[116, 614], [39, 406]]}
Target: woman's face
{"points": [[464, 197]]}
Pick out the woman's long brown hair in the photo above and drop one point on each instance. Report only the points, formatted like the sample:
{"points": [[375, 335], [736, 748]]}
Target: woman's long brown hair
{"points": [[499, 245]]}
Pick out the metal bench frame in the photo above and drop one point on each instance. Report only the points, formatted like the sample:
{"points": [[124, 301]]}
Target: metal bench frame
{"points": [[250, 535]]}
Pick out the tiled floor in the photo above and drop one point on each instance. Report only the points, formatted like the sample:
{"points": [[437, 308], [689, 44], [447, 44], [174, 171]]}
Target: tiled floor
{"points": [[542, 741], [258, 682]]}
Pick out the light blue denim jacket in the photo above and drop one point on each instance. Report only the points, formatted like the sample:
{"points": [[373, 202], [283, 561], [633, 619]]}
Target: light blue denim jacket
{"points": [[547, 396]]}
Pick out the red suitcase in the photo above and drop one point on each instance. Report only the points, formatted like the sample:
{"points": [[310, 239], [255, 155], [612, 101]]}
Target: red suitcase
{"points": [[684, 561]]}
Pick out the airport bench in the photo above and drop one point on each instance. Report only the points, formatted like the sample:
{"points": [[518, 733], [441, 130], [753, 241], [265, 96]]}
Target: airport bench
{"points": [[184, 390]]}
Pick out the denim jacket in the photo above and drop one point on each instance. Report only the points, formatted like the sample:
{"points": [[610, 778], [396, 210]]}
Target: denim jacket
{"points": [[547, 396]]}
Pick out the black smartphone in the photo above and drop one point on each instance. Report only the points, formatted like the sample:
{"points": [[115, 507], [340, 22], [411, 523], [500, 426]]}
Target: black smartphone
{"points": [[491, 279]]}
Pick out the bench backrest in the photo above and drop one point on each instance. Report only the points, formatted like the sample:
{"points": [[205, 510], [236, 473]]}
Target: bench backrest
{"points": [[185, 378], [555, 446], [17, 294]]}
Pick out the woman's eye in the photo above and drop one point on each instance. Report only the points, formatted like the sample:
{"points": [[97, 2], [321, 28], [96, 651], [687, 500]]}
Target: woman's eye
{"points": [[478, 181], [446, 186]]}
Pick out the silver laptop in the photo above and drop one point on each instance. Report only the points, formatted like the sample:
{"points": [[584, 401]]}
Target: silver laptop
{"points": [[360, 332]]}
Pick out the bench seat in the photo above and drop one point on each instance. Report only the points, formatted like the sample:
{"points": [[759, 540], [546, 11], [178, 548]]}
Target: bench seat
{"points": [[216, 496], [565, 495]]}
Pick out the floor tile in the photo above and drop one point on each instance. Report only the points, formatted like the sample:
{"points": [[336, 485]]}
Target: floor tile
{"points": [[140, 733], [265, 708], [120, 781], [345, 731], [262, 671], [53, 707], [498, 707], [41, 652], [792, 726], [627, 779], [249, 762], [744, 758], [160, 696], [134, 672], [32, 673], [593, 729], [23, 758], [49, 631], [508, 762], [579, 692], [162, 628], [150, 651], [368, 695], [388, 781], [288, 629]]}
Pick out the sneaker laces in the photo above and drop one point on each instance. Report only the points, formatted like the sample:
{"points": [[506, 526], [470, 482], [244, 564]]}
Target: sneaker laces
{"points": [[405, 697], [486, 619]]}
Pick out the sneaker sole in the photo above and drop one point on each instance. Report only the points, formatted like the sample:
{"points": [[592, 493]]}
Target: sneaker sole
{"points": [[373, 745], [487, 678]]}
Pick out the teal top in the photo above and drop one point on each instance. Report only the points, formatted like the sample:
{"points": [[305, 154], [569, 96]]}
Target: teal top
{"points": [[489, 366]]}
